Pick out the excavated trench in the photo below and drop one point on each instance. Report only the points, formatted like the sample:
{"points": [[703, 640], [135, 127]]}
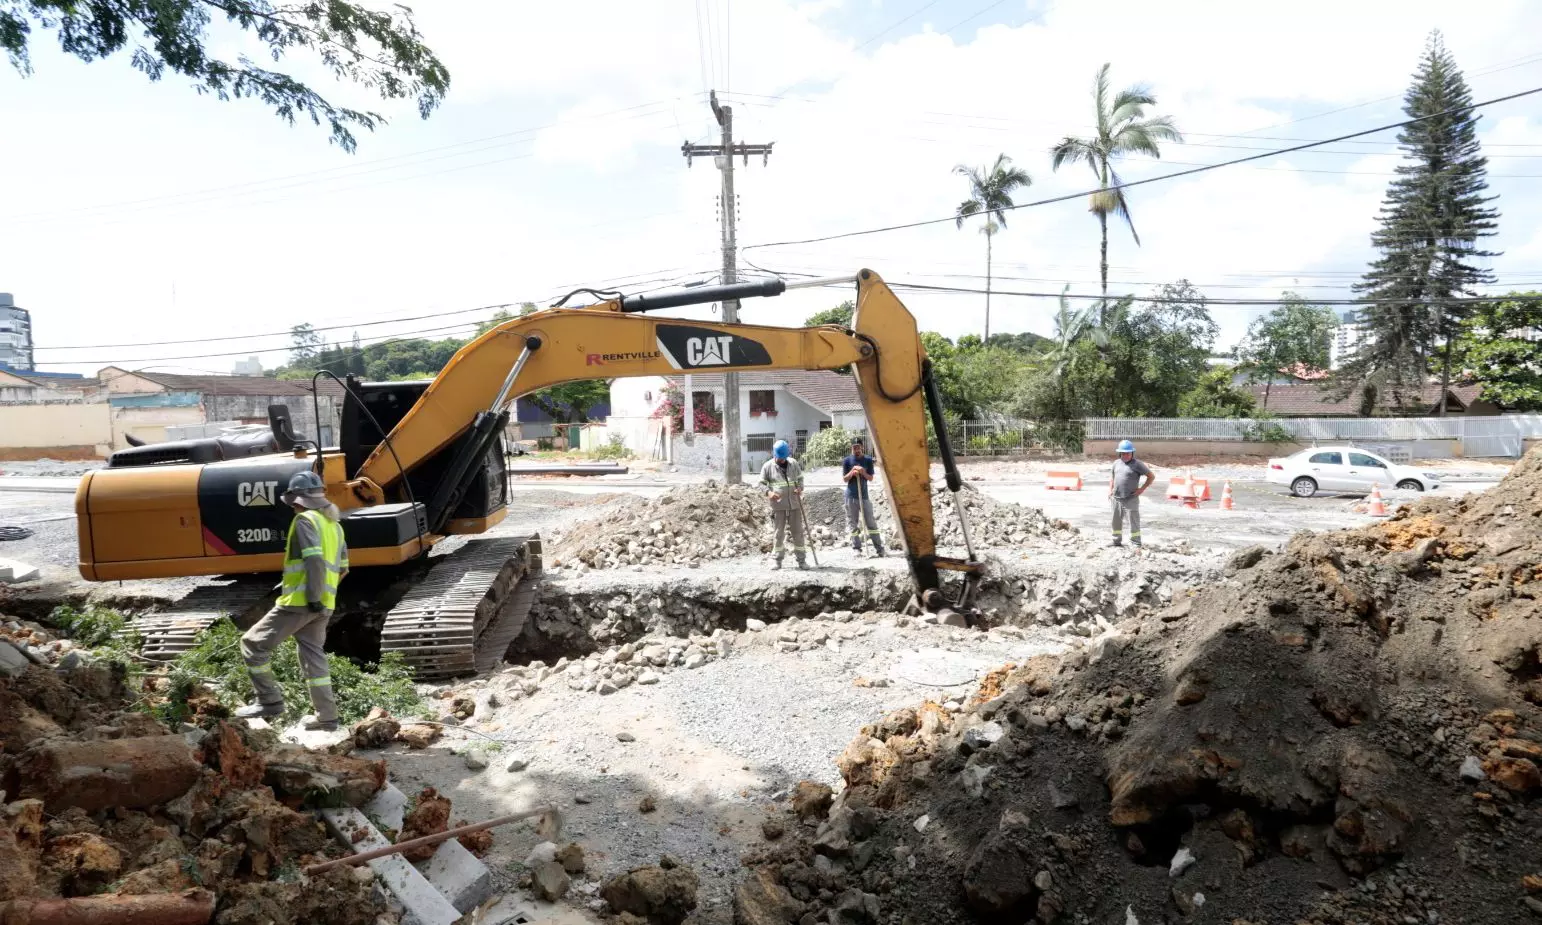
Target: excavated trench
{"points": [[576, 614]]}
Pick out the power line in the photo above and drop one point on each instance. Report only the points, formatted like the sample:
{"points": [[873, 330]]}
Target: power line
{"points": [[1464, 300], [335, 327], [1169, 176], [973, 16], [630, 280]]}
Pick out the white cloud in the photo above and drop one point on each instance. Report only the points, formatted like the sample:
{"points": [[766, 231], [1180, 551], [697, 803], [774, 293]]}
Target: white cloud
{"points": [[865, 139]]}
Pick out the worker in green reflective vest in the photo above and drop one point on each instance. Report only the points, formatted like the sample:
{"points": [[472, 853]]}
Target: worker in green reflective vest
{"points": [[315, 561]]}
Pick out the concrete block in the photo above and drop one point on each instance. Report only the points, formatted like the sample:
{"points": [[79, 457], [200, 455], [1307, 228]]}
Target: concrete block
{"points": [[16, 571], [389, 806], [12, 662], [516, 910], [458, 876], [455, 872], [422, 904]]}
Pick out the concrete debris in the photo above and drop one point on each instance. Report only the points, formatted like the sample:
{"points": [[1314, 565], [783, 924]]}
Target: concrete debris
{"points": [[111, 818]]}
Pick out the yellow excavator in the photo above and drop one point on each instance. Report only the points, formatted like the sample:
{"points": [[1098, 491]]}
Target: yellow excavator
{"points": [[420, 462]]}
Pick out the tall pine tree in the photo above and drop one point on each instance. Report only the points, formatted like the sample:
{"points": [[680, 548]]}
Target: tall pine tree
{"points": [[1432, 218]]}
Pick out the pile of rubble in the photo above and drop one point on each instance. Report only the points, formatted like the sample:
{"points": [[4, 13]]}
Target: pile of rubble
{"points": [[111, 815], [684, 526], [35, 644], [992, 524], [688, 526], [1347, 731]]}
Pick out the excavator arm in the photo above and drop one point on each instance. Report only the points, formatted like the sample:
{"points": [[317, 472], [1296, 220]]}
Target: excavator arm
{"points": [[615, 338]]}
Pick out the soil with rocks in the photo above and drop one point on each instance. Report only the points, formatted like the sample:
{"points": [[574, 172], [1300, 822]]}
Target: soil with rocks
{"points": [[1346, 731], [108, 810], [691, 525]]}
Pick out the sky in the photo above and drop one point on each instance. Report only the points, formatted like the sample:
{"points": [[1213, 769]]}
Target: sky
{"points": [[136, 213]]}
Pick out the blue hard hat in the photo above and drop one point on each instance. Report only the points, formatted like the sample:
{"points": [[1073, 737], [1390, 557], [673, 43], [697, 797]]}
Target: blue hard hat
{"points": [[1126, 446], [781, 449], [306, 480]]}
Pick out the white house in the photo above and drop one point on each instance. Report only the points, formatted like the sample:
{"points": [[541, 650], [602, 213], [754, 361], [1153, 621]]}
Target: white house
{"points": [[786, 405]]}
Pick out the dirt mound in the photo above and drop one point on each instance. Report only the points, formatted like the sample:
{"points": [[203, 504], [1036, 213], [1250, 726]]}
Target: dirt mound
{"points": [[1343, 732], [109, 810], [992, 524], [689, 525]]}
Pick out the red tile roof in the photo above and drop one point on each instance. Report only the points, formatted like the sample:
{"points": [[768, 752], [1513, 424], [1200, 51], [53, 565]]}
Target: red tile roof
{"points": [[240, 385], [1312, 400]]}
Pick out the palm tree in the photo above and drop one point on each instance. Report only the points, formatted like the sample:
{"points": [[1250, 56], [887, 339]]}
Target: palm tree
{"points": [[1122, 128], [990, 194], [1072, 326]]}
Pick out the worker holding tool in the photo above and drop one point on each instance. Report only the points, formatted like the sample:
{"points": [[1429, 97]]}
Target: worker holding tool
{"points": [[315, 561], [858, 469], [782, 478], [1124, 492]]}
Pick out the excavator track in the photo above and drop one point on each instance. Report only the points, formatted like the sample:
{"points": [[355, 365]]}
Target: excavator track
{"points": [[463, 616], [169, 633]]}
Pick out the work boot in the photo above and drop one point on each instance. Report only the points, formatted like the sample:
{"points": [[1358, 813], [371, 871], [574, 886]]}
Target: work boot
{"points": [[313, 724], [260, 710], [1116, 543], [776, 565], [802, 566]]}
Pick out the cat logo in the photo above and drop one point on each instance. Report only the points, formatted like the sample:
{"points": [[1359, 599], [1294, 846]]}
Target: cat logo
{"points": [[256, 494], [707, 351]]}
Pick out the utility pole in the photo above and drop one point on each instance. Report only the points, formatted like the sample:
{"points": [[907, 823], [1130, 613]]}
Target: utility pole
{"points": [[723, 155]]}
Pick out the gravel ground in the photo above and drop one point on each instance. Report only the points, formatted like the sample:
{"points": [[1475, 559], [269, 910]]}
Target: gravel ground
{"points": [[714, 747]]}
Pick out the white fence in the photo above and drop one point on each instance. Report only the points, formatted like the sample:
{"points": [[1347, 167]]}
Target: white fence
{"points": [[1500, 435]]}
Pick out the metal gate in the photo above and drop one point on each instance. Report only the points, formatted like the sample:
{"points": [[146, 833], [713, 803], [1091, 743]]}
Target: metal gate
{"points": [[1496, 436]]}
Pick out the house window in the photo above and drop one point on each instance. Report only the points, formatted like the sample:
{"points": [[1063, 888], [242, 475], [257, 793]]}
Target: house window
{"points": [[801, 441], [759, 443], [763, 401], [702, 401], [825, 425]]}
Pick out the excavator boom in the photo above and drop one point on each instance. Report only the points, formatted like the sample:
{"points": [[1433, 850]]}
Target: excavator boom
{"points": [[616, 339]]}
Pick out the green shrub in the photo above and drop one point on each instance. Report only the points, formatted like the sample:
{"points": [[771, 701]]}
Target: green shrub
{"points": [[614, 448], [828, 447], [107, 633], [216, 660]]}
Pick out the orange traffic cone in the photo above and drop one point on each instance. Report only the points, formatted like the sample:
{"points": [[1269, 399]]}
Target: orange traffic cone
{"points": [[1378, 508], [1226, 503]]}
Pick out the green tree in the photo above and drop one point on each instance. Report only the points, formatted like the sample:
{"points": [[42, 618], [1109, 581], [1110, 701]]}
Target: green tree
{"points": [[1122, 129], [304, 345], [570, 402], [1432, 218], [1501, 346], [973, 381], [381, 51], [990, 195], [1297, 334], [840, 314], [1047, 397], [1215, 397]]}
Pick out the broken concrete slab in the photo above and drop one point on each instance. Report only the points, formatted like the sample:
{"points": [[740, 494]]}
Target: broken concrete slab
{"points": [[421, 903], [15, 571], [454, 871], [12, 662]]}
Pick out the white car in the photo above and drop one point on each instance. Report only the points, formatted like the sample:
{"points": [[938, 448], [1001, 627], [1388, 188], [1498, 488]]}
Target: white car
{"points": [[1346, 469]]}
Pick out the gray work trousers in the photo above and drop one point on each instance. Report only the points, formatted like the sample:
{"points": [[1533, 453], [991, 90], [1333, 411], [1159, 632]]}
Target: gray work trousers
{"points": [[859, 511], [782, 520], [1126, 507], [310, 633]]}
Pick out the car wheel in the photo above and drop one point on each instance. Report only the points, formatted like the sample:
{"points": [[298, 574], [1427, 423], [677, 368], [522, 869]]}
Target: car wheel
{"points": [[1304, 487], [1410, 485]]}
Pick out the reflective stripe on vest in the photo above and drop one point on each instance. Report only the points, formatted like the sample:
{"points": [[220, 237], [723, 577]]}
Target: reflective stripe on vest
{"points": [[330, 550]]}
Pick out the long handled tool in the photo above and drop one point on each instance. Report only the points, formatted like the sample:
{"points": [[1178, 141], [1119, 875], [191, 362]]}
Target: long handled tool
{"points": [[808, 529]]}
